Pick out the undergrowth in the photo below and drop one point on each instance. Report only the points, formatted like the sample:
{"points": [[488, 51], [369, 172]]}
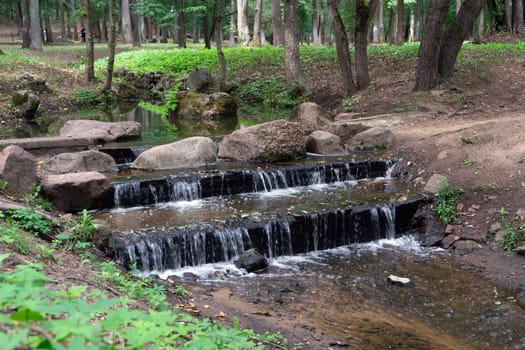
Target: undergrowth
{"points": [[447, 197]]}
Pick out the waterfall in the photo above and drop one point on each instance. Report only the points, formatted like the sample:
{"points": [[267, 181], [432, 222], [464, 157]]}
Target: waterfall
{"points": [[125, 190], [374, 222], [390, 222], [183, 190]]}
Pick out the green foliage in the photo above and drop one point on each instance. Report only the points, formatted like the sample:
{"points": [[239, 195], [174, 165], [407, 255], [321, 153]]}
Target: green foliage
{"points": [[29, 220], [271, 92], [35, 199], [511, 233], [88, 97], [13, 236], [447, 197]]}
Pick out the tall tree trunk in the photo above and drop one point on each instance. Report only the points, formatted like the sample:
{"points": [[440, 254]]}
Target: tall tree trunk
{"points": [[341, 46], [456, 34], [111, 44], [481, 24], [36, 30], [47, 24], [26, 28], [195, 24], [217, 15], [458, 6], [72, 12], [257, 23], [391, 30], [315, 24], [242, 22], [517, 16], [412, 26], [136, 29], [277, 23], [104, 29], [233, 23], [62, 16], [419, 20], [90, 57], [181, 25], [292, 63], [362, 22], [508, 15], [125, 14], [428, 57], [400, 23]]}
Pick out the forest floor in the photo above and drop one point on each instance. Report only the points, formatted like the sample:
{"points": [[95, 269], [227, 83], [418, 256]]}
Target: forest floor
{"points": [[470, 129]]}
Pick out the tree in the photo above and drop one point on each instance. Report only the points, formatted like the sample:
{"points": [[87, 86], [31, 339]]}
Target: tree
{"points": [[242, 22], [26, 28], [257, 22], [277, 25], [218, 13], [126, 22], [181, 25], [34, 19], [90, 56], [111, 44], [292, 65], [362, 23], [439, 49], [399, 24], [517, 16], [341, 46], [316, 24]]}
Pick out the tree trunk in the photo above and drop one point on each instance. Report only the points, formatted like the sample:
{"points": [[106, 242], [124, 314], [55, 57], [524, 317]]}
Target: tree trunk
{"points": [[242, 22], [72, 12], [90, 57], [428, 57], [508, 15], [125, 14], [315, 24], [481, 24], [377, 31], [412, 26], [458, 6], [47, 24], [277, 23], [34, 19], [517, 16], [292, 63], [456, 34], [362, 22], [111, 44], [62, 16], [400, 21], [341, 46], [181, 25], [136, 29], [419, 20], [257, 23], [195, 24], [233, 23], [217, 15], [26, 29]]}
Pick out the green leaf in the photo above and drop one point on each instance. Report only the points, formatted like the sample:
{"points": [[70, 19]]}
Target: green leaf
{"points": [[13, 341], [27, 315]]}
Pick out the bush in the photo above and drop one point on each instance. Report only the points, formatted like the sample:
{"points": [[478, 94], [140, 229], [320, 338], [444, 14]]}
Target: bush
{"points": [[446, 202]]}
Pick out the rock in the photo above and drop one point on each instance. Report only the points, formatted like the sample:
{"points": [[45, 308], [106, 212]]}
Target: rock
{"points": [[448, 241], [473, 235], [199, 80], [464, 247], [80, 162], [322, 142], [251, 260], [101, 131], [203, 105], [399, 281], [279, 140], [77, 191], [32, 82], [346, 130], [494, 228], [372, 139], [435, 183], [26, 103], [102, 238], [186, 153], [520, 214], [126, 92], [520, 299], [442, 155], [18, 169], [434, 233], [310, 117], [520, 250]]}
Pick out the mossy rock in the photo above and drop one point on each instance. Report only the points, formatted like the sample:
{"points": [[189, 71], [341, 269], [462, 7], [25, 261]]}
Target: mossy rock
{"points": [[193, 104]]}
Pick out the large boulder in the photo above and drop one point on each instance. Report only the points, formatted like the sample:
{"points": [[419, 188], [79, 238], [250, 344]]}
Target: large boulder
{"points": [[101, 131], [323, 142], [18, 169], [274, 141], [77, 191], [203, 105], [199, 80], [371, 139], [346, 129], [80, 162], [190, 152], [26, 103], [310, 117], [126, 92]]}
